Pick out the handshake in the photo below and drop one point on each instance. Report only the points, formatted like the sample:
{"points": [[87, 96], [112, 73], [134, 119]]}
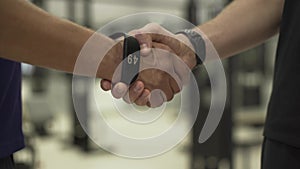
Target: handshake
{"points": [[166, 60]]}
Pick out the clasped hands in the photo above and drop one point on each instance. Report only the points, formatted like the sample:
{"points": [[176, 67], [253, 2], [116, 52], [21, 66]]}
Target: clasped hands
{"points": [[166, 60]]}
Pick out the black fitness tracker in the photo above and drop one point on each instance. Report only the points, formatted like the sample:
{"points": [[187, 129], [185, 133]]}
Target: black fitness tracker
{"points": [[198, 43], [131, 57]]}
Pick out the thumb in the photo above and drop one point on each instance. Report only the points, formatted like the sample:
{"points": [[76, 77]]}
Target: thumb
{"points": [[155, 33], [145, 41]]}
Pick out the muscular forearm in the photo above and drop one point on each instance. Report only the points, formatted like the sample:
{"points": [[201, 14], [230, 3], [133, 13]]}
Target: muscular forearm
{"points": [[29, 34], [243, 24]]}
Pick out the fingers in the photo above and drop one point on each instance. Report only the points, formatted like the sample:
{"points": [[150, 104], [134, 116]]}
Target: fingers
{"points": [[144, 98], [135, 91], [140, 96], [179, 68], [152, 36], [182, 70], [105, 85], [146, 43], [156, 33], [157, 98], [167, 49], [153, 33], [135, 94], [119, 90], [176, 88]]}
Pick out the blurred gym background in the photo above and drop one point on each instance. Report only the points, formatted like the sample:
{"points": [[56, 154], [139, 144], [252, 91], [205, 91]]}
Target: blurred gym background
{"points": [[55, 138]]}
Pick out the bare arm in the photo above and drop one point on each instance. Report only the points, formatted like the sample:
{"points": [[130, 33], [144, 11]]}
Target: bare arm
{"points": [[31, 35], [243, 24]]}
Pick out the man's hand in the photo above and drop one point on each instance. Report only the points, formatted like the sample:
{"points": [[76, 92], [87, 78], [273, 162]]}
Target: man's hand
{"points": [[178, 43], [158, 76], [149, 37]]}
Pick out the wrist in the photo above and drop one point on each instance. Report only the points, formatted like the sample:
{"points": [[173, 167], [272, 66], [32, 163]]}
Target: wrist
{"points": [[189, 59], [198, 44], [111, 60], [185, 40], [127, 50]]}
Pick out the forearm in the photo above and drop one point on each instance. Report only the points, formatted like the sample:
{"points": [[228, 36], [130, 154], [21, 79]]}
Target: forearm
{"points": [[33, 36], [243, 24]]}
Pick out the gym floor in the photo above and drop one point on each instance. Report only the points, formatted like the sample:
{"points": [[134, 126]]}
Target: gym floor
{"points": [[56, 150]]}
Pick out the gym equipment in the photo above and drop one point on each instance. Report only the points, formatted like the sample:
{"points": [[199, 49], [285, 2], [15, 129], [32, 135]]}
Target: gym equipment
{"points": [[218, 148]]}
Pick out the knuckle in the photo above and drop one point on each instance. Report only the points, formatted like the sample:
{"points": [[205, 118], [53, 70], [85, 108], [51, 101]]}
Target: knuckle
{"points": [[167, 96], [177, 90], [139, 103], [154, 26], [170, 97]]}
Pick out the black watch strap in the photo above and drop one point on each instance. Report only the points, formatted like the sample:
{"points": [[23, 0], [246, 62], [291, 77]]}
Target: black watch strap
{"points": [[198, 43], [131, 58]]}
